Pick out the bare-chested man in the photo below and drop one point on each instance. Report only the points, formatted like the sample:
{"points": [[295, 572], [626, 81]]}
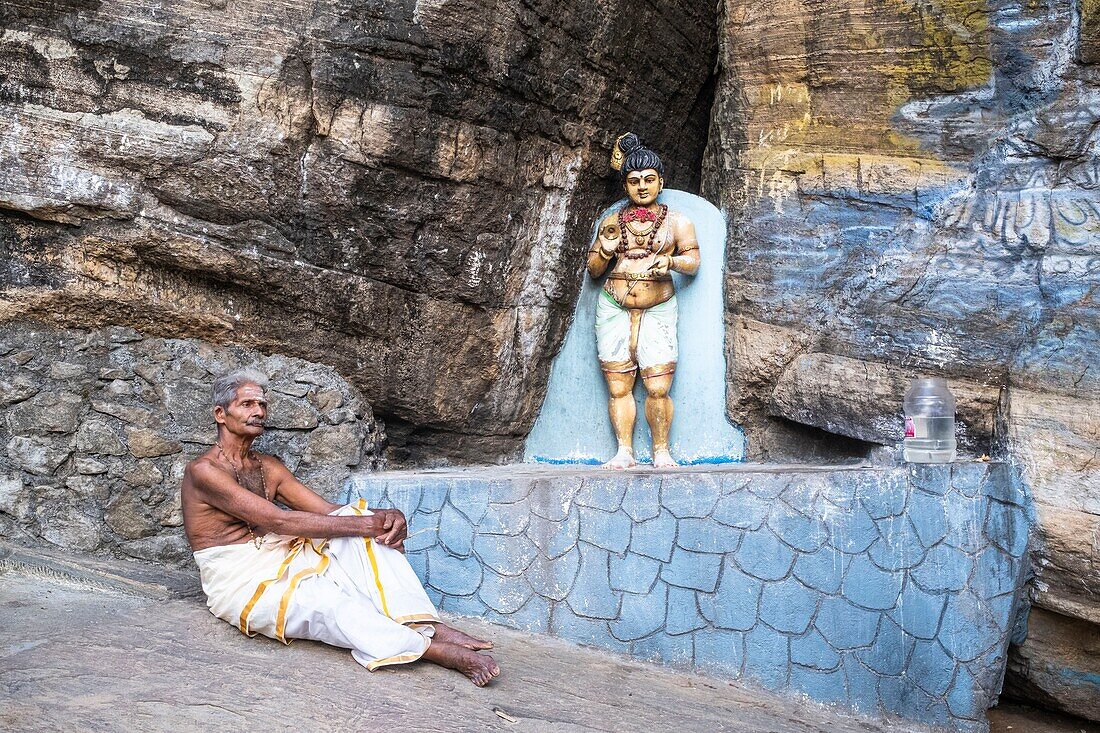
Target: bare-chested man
{"points": [[316, 571]]}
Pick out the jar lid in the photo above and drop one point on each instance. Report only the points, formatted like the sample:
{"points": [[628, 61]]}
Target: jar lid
{"points": [[924, 380]]}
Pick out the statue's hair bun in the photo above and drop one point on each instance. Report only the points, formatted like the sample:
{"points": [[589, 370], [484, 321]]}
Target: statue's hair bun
{"points": [[629, 148], [629, 143]]}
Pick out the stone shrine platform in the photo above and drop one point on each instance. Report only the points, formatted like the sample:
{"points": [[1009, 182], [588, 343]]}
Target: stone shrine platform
{"points": [[889, 591]]}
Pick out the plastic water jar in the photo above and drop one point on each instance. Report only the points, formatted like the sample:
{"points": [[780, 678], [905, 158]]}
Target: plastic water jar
{"points": [[929, 421]]}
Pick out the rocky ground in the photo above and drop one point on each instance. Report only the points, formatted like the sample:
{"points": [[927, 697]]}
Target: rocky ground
{"points": [[116, 647], [1016, 717], [120, 646]]}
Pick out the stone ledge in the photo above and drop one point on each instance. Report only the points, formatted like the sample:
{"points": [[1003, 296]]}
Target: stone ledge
{"points": [[121, 576], [890, 591]]}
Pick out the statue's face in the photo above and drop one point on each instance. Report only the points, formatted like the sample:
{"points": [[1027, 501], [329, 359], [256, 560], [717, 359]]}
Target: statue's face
{"points": [[247, 412], [643, 186]]}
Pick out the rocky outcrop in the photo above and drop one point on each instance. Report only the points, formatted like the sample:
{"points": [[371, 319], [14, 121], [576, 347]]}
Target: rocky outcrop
{"points": [[402, 190], [852, 397], [98, 425], [914, 189], [1060, 664]]}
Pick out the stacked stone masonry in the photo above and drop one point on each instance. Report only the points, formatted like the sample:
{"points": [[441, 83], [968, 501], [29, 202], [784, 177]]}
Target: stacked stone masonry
{"points": [[97, 426], [893, 592]]}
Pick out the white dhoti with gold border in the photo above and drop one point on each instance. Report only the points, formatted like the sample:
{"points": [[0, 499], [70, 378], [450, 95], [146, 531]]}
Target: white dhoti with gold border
{"points": [[350, 592], [649, 346]]}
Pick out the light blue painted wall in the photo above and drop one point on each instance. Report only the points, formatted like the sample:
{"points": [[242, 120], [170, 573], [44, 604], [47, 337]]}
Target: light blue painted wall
{"points": [[573, 426], [887, 591]]}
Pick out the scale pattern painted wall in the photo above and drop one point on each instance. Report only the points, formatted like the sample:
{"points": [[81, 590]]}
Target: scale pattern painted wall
{"points": [[890, 591]]}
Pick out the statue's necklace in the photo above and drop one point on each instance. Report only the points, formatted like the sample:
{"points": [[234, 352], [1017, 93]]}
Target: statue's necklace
{"points": [[640, 251], [237, 477]]}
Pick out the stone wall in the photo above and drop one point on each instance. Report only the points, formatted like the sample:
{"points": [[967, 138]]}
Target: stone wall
{"points": [[914, 189], [98, 425], [889, 591], [403, 190]]}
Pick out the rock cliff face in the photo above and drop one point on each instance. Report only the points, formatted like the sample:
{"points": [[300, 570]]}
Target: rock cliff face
{"points": [[403, 191], [400, 189], [913, 189], [98, 425]]}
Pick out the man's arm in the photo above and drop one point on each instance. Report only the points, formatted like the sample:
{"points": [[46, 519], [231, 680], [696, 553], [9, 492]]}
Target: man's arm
{"points": [[221, 491], [300, 497]]}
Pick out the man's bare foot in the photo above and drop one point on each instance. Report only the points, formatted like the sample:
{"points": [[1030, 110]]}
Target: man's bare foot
{"points": [[663, 459], [623, 459], [451, 635], [479, 668]]}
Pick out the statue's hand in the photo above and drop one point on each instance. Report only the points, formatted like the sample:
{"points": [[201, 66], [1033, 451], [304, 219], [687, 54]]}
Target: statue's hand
{"points": [[609, 240], [661, 265]]}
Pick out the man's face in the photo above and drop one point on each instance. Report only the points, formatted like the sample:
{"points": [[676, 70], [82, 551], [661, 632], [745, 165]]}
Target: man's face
{"points": [[643, 186], [247, 412]]}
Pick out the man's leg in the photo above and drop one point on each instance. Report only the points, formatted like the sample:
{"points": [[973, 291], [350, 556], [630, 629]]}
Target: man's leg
{"points": [[321, 611], [384, 577]]}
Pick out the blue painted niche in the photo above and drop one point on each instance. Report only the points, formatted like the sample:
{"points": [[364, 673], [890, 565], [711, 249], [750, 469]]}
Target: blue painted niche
{"points": [[573, 426]]}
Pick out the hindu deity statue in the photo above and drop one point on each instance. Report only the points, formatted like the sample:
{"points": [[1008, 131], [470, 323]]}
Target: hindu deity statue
{"points": [[638, 247]]}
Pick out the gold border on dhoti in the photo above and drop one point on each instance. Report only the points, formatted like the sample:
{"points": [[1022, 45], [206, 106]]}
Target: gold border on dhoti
{"points": [[377, 576], [618, 367], [359, 508], [659, 370], [416, 618], [295, 548], [284, 602], [400, 658]]}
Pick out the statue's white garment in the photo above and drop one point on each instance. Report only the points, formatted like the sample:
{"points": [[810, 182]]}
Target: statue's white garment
{"points": [[656, 333], [350, 592]]}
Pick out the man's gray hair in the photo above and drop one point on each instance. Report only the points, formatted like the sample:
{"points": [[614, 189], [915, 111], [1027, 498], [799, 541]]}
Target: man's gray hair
{"points": [[226, 386]]}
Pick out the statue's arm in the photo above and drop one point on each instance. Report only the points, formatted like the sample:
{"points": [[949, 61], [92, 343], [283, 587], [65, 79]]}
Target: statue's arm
{"points": [[686, 259], [603, 250], [220, 490]]}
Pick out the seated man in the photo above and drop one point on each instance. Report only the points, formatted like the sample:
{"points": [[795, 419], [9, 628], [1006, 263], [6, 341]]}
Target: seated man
{"points": [[318, 571]]}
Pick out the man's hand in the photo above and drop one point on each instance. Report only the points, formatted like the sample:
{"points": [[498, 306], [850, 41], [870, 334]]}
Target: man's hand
{"points": [[394, 529]]}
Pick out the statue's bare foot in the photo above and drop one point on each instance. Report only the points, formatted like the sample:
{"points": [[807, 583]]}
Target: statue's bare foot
{"points": [[663, 459], [623, 459], [454, 636], [479, 668]]}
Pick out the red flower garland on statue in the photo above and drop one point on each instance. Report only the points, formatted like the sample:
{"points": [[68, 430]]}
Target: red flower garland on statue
{"points": [[643, 246], [640, 214]]}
